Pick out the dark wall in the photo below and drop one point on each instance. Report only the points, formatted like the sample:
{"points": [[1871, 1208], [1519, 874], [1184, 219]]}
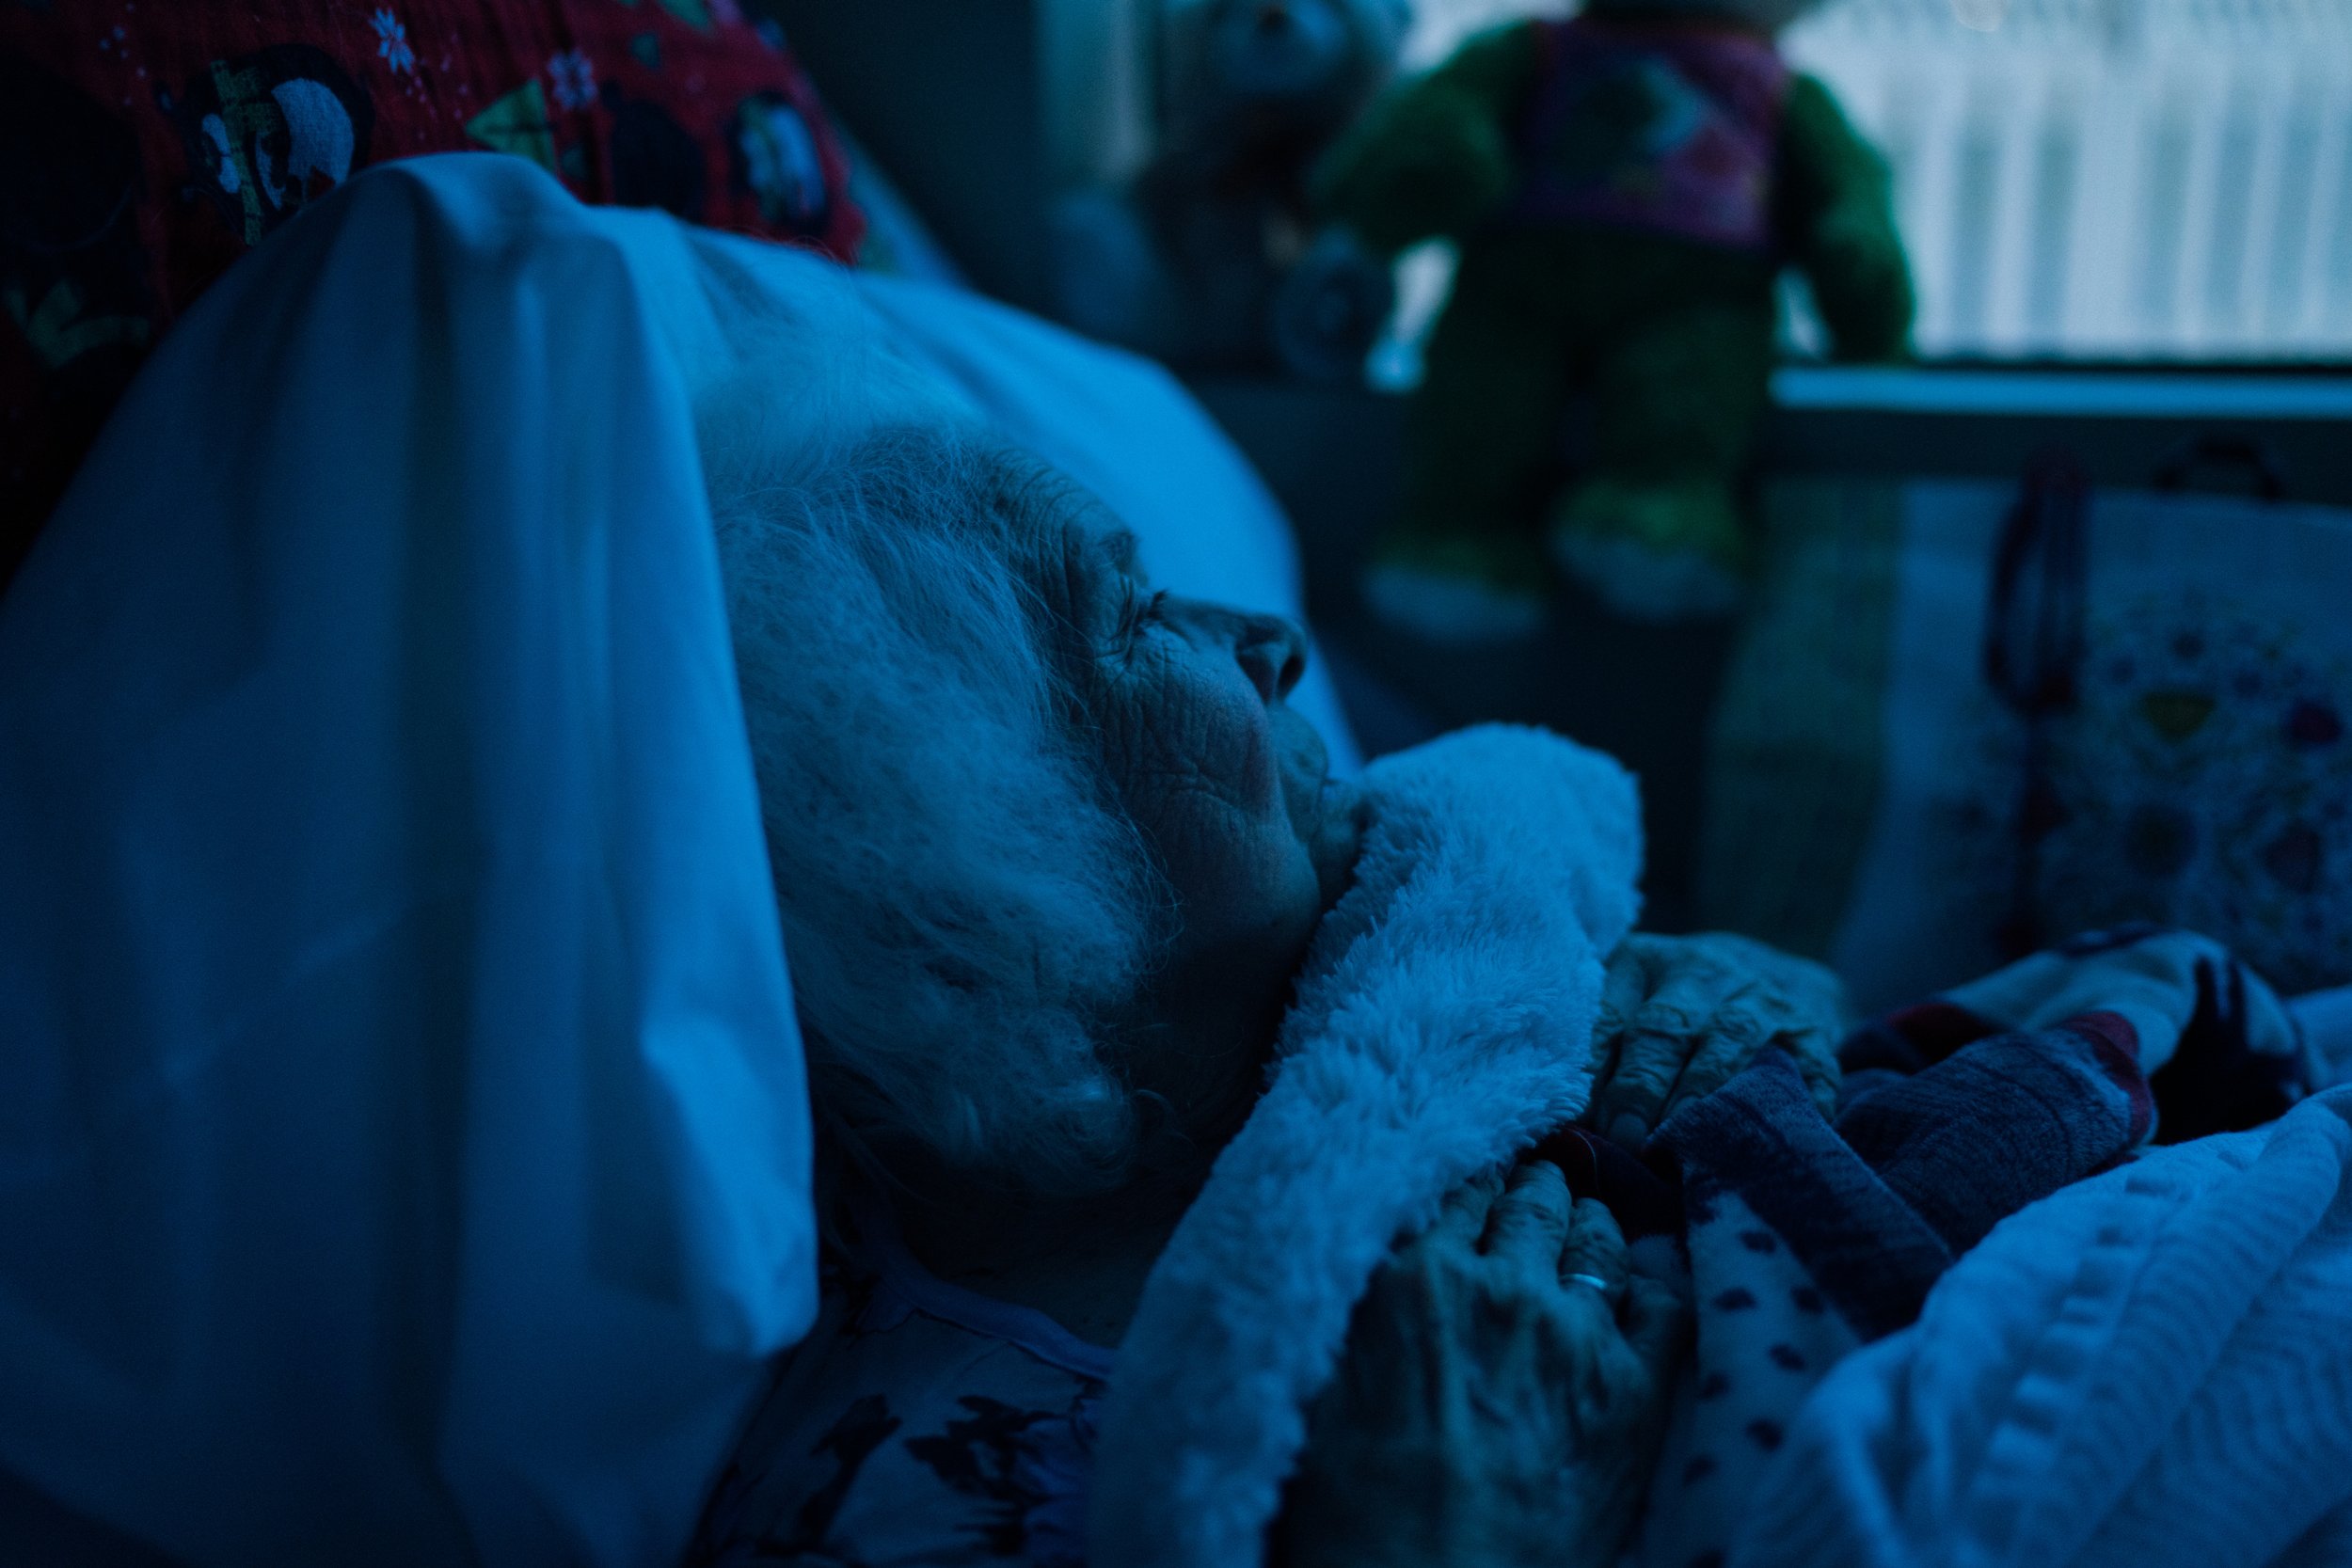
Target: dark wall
{"points": [[946, 95]]}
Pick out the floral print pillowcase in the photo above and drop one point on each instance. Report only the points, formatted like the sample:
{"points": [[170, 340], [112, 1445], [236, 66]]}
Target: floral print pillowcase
{"points": [[148, 145]]}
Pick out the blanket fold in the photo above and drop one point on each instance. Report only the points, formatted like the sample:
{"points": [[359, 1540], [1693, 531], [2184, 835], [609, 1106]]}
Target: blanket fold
{"points": [[1443, 1023]]}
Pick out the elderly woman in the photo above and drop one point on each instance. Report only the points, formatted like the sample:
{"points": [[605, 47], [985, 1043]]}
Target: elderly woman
{"points": [[1050, 848], [1044, 894]]}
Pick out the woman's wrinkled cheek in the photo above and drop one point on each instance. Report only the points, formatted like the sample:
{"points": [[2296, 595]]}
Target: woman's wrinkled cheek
{"points": [[1259, 775], [1231, 734], [1199, 772]]}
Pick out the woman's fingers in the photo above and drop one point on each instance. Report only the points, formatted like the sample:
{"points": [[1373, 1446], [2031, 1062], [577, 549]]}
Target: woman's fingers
{"points": [[1630, 975], [1657, 1319], [1741, 1037], [1608, 1061], [1624, 1108], [1626, 987], [1699, 1000], [1735, 1038], [1682, 1016], [1593, 1257], [1462, 1216], [1530, 1222], [1816, 1051]]}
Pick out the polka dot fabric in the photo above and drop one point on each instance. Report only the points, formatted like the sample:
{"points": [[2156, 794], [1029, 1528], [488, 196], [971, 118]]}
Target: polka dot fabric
{"points": [[1762, 1346], [145, 145]]}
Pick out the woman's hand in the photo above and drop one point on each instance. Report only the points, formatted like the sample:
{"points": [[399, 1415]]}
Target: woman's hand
{"points": [[1503, 1394], [1682, 1016]]}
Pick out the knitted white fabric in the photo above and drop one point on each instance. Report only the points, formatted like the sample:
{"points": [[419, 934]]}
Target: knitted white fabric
{"points": [[1444, 1022], [2149, 1370]]}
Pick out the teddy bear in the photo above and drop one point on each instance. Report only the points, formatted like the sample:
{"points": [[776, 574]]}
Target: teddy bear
{"points": [[1207, 258], [1624, 188]]}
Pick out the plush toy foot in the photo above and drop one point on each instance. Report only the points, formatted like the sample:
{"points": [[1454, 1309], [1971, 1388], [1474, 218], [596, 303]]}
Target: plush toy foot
{"points": [[1458, 593], [1658, 550]]}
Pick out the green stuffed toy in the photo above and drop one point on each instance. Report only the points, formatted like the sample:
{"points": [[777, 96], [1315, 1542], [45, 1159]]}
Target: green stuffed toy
{"points": [[1624, 188]]}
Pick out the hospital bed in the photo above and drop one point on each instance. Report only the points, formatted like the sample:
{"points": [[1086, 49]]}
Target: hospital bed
{"points": [[531, 846]]}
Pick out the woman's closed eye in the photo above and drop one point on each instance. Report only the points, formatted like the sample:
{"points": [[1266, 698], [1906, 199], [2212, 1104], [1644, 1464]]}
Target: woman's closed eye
{"points": [[1140, 613]]}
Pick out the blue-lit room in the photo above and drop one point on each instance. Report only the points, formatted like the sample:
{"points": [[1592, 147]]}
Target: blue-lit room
{"points": [[1176, 783]]}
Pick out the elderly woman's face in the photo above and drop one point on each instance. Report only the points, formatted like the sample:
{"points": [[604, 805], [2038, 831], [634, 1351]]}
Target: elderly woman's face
{"points": [[1231, 786]]}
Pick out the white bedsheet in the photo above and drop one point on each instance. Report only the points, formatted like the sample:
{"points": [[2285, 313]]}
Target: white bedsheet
{"points": [[404, 1156]]}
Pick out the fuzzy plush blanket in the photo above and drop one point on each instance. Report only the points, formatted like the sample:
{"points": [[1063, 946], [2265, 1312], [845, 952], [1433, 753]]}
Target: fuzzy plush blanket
{"points": [[1444, 1022]]}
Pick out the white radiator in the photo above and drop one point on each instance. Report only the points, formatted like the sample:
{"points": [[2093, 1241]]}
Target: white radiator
{"points": [[2094, 178]]}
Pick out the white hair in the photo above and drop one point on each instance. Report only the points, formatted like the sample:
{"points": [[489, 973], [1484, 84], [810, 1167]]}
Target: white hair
{"points": [[962, 905]]}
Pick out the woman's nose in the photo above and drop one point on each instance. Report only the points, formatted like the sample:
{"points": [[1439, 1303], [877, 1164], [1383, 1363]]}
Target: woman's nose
{"points": [[1272, 652]]}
